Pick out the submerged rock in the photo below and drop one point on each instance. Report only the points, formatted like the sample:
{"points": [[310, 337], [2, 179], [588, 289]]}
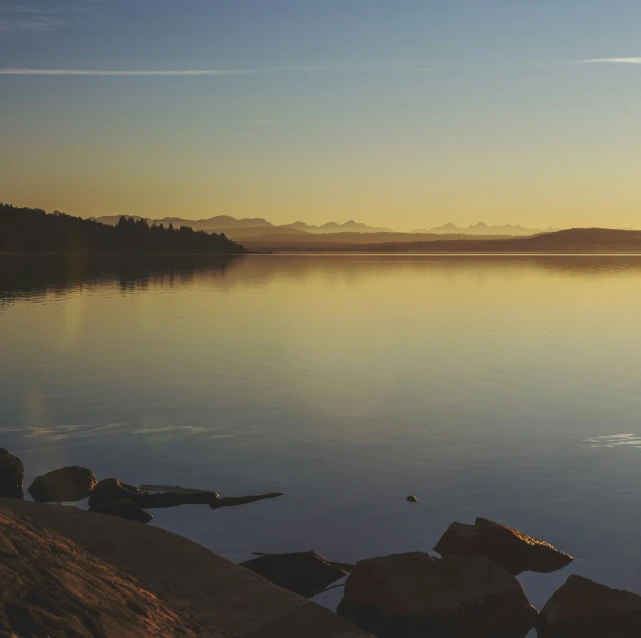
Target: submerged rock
{"points": [[412, 499], [11, 475], [66, 484], [123, 508], [514, 550], [419, 596], [53, 587], [305, 573], [581, 608]]}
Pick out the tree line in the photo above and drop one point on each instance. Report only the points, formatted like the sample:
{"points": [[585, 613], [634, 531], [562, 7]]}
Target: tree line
{"points": [[34, 230]]}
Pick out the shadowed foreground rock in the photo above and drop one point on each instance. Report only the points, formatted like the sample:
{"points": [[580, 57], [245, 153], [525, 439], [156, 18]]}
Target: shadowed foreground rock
{"points": [[514, 550], [582, 608], [66, 484], [123, 508], [305, 573], [51, 587], [11, 475], [418, 596]]}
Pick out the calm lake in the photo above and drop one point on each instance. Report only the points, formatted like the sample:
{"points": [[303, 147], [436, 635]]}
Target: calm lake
{"points": [[504, 387]]}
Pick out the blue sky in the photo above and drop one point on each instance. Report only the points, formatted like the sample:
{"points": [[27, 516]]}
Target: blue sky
{"points": [[407, 114]]}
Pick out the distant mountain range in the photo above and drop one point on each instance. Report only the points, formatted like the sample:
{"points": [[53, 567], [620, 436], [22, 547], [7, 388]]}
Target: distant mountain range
{"points": [[576, 240], [33, 230], [252, 227], [332, 227], [484, 229]]}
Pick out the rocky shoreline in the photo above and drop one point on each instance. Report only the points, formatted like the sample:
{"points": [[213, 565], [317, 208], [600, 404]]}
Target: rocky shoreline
{"points": [[471, 590]]}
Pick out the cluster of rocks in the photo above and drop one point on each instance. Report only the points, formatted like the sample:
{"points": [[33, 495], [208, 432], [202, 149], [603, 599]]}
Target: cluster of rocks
{"points": [[471, 591], [109, 496]]}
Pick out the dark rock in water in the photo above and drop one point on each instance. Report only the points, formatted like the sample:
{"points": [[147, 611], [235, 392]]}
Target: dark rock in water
{"points": [[232, 501], [305, 573], [514, 550], [419, 596], [11, 475], [582, 608], [51, 587], [149, 496], [412, 499], [66, 484], [110, 490], [154, 496], [124, 508], [173, 495]]}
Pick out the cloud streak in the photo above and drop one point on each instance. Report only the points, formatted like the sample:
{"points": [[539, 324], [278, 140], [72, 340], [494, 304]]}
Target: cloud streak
{"points": [[118, 73], [611, 61], [185, 72]]}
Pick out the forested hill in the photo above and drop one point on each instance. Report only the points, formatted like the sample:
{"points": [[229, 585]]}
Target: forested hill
{"points": [[34, 230]]}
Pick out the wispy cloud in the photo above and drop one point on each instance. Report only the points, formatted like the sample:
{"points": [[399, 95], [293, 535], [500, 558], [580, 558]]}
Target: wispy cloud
{"points": [[610, 61], [42, 17], [120, 73], [193, 72]]}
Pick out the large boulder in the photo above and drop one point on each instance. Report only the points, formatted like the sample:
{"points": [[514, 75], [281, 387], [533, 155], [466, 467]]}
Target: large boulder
{"points": [[11, 475], [419, 596], [66, 484], [514, 550], [124, 508], [581, 608], [52, 587], [305, 573]]}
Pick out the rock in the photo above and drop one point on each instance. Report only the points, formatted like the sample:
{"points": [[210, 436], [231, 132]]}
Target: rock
{"points": [[233, 501], [514, 550], [52, 587], [124, 508], [154, 496], [412, 499], [173, 495], [149, 496], [11, 475], [110, 490], [581, 608], [419, 596], [305, 573], [66, 484]]}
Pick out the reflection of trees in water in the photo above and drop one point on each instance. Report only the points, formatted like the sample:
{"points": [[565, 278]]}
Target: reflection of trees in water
{"points": [[33, 277]]}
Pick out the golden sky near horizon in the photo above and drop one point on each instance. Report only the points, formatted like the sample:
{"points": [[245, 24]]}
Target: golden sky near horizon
{"points": [[405, 119]]}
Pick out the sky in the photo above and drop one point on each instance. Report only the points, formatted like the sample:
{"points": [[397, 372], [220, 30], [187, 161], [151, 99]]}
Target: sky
{"points": [[405, 114]]}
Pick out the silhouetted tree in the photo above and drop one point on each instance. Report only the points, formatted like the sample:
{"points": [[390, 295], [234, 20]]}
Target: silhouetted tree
{"points": [[33, 230]]}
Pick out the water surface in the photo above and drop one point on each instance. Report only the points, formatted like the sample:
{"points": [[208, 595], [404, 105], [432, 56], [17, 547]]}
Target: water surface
{"points": [[503, 387]]}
